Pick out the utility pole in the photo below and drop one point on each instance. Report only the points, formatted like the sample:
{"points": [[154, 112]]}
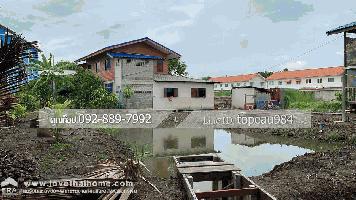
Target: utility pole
{"points": [[344, 81]]}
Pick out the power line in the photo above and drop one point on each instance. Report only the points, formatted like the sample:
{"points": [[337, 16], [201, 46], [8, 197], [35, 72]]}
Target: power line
{"points": [[305, 53]]}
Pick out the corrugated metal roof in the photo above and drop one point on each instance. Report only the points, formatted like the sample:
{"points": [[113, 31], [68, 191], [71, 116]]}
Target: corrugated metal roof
{"points": [[340, 29], [134, 56]]}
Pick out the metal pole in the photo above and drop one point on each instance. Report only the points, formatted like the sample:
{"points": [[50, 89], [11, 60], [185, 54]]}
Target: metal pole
{"points": [[344, 82]]}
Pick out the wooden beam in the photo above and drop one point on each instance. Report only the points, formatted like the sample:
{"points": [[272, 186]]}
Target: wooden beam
{"points": [[227, 193]]}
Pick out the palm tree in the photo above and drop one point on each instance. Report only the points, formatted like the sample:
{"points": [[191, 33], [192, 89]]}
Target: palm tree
{"points": [[47, 69]]}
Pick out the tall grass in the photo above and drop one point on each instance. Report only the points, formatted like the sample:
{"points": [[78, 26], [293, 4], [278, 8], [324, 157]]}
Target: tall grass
{"points": [[303, 100], [223, 93]]}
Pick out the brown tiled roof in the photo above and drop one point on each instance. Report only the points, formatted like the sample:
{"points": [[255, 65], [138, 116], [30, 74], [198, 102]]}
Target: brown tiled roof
{"points": [[238, 78], [307, 73]]}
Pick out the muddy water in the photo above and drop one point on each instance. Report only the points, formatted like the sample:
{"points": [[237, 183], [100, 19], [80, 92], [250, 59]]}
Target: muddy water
{"points": [[254, 155]]}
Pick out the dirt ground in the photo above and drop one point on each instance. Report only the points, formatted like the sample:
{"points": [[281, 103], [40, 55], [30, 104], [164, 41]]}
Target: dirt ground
{"points": [[24, 156], [327, 175]]}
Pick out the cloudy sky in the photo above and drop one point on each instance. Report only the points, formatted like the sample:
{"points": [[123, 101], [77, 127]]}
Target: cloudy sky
{"points": [[215, 37]]}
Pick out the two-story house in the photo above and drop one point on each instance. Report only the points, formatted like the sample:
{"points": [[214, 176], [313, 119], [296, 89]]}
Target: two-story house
{"points": [[245, 80], [305, 79], [143, 66]]}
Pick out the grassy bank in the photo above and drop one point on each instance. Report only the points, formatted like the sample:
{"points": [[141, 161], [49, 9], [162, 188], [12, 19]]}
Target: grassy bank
{"points": [[303, 100]]}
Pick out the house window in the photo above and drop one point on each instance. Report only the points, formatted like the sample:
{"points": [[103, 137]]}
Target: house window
{"points": [[251, 84], [108, 87], [107, 64], [226, 85], [262, 84], [215, 86], [128, 60], [331, 80], [117, 64], [289, 82], [159, 66], [280, 82], [298, 82], [170, 92], [89, 66], [308, 80], [320, 80], [140, 64], [271, 82], [198, 92], [97, 66], [220, 85], [237, 84]]}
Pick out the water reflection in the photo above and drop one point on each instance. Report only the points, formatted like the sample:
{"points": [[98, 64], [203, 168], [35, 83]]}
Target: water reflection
{"points": [[251, 154]]}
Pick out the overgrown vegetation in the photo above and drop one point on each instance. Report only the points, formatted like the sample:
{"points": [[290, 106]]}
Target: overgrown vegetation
{"points": [[83, 90], [223, 93], [294, 99]]}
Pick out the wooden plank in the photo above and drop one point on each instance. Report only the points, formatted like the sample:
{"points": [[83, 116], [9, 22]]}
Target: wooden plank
{"points": [[227, 193], [126, 193], [206, 169], [201, 164], [189, 188]]}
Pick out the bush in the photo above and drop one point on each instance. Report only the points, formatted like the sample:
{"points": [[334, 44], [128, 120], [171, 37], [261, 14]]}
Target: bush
{"points": [[317, 106], [88, 92], [84, 90], [28, 100], [18, 111], [103, 99]]}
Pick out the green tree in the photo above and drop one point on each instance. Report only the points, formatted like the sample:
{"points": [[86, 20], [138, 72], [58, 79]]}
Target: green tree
{"points": [[265, 74], [84, 89], [48, 70], [67, 65], [177, 67], [206, 78], [87, 91]]}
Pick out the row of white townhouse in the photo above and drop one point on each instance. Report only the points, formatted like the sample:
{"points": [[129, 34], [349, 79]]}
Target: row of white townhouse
{"points": [[320, 78]]}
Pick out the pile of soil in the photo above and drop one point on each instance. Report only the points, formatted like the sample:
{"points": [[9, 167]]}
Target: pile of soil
{"points": [[25, 156], [170, 188], [70, 156], [324, 175], [26, 168]]}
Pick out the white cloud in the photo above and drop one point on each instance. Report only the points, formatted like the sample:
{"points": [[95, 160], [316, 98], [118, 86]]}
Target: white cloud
{"points": [[299, 64]]}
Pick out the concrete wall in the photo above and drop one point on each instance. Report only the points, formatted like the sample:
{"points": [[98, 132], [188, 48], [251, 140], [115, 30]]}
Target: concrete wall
{"points": [[184, 101], [326, 95], [140, 78], [314, 83], [238, 97]]}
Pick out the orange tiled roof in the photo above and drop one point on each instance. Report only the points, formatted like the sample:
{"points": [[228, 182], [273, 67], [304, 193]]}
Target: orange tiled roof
{"points": [[238, 78], [307, 73]]}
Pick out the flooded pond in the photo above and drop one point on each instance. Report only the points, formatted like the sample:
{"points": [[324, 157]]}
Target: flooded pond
{"points": [[253, 155]]}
